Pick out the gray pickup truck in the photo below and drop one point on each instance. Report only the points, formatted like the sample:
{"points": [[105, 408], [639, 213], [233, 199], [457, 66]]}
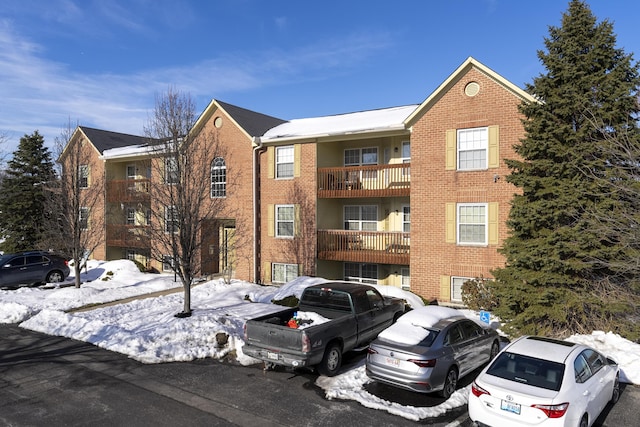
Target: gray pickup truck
{"points": [[353, 313]]}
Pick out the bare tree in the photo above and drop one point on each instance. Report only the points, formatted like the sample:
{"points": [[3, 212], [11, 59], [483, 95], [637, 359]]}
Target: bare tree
{"points": [[75, 200], [302, 248], [188, 190]]}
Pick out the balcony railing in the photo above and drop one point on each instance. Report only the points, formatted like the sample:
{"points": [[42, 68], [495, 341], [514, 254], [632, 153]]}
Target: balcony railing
{"points": [[378, 247], [128, 236], [128, 190], [364, 181]]}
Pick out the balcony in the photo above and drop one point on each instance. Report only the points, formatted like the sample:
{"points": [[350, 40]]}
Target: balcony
{"points": [[376, 247], [128, 190], [364, 181], [128, 236]]}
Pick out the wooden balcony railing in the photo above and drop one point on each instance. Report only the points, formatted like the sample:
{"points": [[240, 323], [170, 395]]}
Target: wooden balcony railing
{"points": [[128, 236], [128, 190], [364, 181], [378, 247]]}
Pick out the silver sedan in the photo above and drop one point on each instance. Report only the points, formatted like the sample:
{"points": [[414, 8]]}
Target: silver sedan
{"points": [[429, 348]]}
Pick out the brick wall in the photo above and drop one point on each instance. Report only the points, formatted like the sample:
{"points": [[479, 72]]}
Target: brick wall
{"points": [[432, 186]]}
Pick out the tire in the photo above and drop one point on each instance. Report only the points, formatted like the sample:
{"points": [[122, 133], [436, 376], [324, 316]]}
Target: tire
{"points": [[331, 361], [450, 383], [584, 422], [495, 349], [615, 395], [55, 276]]}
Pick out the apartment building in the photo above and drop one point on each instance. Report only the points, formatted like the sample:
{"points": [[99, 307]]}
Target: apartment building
{"points": [[412, 196]]}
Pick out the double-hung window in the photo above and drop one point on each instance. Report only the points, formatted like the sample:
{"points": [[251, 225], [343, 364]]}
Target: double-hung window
{"points": [[218, 178], [363, 273], [131, 216], [171, 170], [473, 146], [171, 224], [472, 224], [406, 219], [362, 157], [284, 162], [84, 218], [283, 273], [406, 157], [83, 176], [285, 217], [362, 218]]}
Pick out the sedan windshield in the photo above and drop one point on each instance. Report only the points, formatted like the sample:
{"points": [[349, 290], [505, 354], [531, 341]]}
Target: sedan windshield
{"points": [[528, 370]]}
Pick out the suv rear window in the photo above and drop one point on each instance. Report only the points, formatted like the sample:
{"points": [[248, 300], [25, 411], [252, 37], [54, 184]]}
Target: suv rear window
{"points": [[528, 370]]}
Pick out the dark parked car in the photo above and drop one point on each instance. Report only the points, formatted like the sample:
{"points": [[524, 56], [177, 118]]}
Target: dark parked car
{"points": [[28, 268], [429, 348]]}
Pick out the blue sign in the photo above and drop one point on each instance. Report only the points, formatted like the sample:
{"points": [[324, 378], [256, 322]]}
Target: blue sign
{"points": [[485, 317]]}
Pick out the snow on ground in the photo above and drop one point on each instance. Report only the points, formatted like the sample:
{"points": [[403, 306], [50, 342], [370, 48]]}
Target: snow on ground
{"points": [[145, 329]]}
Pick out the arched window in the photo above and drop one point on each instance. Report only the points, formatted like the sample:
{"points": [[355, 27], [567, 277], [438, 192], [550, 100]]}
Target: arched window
{"points": [[218, 178]]}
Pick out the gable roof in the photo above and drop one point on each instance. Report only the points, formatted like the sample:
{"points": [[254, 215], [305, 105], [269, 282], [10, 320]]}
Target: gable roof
{"points": [[255, 124], [106, 140], [371, 121], [463, 69]]}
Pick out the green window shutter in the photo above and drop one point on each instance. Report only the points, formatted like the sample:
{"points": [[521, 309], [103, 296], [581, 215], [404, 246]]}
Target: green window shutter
{"points": [[267, 272], [270, 220], [271, 162], [451, 150], [450, 223], [296, 160], [445, 288], [493, 223], [494, 147]]}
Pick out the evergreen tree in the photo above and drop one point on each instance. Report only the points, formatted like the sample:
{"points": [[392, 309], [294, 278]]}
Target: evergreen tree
{"points": [[559, 276], [22, 202]]}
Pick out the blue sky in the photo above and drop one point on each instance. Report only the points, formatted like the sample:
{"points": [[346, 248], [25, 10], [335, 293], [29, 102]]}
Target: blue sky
{"points": [[101, 63]]}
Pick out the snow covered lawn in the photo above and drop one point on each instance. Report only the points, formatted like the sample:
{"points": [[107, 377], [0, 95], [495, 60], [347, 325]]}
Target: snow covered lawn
{"points": [[146, 329]]}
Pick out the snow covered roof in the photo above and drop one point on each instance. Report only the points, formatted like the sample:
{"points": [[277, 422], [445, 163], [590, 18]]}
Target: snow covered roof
{"points": [[351, 123]]}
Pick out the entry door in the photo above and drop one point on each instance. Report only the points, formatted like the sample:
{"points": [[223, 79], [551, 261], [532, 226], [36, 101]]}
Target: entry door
{"points": [[227, 244]]}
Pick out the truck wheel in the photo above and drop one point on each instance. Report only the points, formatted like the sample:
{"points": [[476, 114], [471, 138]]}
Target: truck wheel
{"points": [[331, 361]]}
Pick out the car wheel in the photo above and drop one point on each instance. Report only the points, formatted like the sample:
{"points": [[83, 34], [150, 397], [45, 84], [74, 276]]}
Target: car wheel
{"points": [[615, 395], [55, 277], [584, 422], [495, 349], [450, 383], [331, 361]]}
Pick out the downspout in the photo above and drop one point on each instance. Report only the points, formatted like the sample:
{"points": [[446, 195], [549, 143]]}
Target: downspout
{"points": [[256, 205]]}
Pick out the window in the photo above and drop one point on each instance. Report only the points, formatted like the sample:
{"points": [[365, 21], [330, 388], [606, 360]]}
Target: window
{"points": [[456, 287], [84, 218], [171, 170], [284, 162], [83, 176], [472, 148], [285, 215], [406, 279], [283, 273], [171, 224], [218, 178], [472, 224], [147, 217], [131, 255], [406, 219], [362, 218], [167, 263], [363, 273], [131, 172], [361, 157], [131, 216]]}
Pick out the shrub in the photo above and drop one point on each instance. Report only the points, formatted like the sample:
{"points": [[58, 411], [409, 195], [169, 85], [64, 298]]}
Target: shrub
{"points": [[477, 295]]}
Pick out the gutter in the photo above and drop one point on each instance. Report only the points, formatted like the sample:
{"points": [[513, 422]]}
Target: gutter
{"points": [[256, 205]]}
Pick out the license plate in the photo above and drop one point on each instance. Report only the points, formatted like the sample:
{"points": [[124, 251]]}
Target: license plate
{"points": [[510, 407], [272, 356], [392, 361]]}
